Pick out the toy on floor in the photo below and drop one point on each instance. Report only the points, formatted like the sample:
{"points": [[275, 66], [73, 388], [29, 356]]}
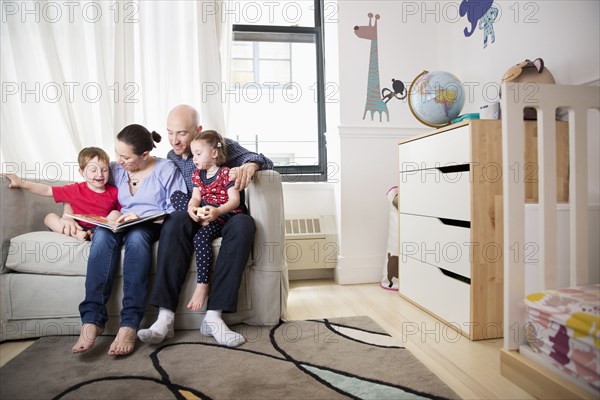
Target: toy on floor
{"points": [[390, 265]]}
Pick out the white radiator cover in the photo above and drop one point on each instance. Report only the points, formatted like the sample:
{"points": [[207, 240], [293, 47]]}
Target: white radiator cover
{"points": [[311, 242]]}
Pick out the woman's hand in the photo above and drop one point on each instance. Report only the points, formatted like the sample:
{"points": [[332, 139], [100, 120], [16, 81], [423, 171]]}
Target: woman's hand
{"points": [[113, 215], [127, 217], [70, 227]]}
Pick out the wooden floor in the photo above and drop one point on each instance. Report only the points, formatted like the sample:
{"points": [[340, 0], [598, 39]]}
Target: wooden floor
{"points": [[471, 369]]}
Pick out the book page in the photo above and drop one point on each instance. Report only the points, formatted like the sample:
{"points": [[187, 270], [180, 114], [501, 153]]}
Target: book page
{"points": [[112, 225]]}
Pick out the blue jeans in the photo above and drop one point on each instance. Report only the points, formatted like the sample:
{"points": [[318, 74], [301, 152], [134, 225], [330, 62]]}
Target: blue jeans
{"points": [[102, 266]]}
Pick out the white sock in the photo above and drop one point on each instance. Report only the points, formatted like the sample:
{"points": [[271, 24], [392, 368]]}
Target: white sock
{"points": [[161, 329], [213, 325]]}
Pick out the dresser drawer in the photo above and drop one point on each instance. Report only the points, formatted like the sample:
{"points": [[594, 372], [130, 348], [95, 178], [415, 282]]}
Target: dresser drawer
{"points": [[437, 242], [439, 150], [433, 193], [439, 294]]}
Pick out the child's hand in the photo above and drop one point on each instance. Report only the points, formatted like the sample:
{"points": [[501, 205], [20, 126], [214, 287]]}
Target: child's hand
{"points": [[15, 181], [193, 213], [201, 213], [208, 214]]}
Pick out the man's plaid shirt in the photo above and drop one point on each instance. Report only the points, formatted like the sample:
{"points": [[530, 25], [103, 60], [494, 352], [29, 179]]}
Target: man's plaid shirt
{"points": [[236, 156]]}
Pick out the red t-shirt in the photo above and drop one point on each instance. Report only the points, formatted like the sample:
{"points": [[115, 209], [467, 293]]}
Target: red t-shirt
{"points": [[84, 200]]}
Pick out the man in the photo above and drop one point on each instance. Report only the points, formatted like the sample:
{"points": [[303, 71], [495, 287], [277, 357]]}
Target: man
{"points": [[175, 243]]}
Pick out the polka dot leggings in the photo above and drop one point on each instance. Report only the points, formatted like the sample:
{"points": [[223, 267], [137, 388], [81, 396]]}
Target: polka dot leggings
{"points": [[203, 238], [203, 245], [179, 200]]}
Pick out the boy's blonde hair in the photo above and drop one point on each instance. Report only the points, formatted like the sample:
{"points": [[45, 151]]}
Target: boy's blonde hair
{"points": [[216, 141], [89, 153]]}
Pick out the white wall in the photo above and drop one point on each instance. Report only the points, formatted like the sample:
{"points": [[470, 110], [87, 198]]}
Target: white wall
{"points": [[414, 36], [564, 33], [305, 199]]}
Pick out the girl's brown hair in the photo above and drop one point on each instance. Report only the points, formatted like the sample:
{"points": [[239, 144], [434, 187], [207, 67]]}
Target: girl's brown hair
{"points": [[216, 141]]}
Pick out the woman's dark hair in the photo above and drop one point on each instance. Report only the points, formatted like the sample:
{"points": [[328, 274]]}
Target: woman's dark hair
{"points": [[139, 138]]}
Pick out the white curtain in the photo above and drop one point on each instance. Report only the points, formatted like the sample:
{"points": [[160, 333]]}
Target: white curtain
{"points": [[75, 73]]}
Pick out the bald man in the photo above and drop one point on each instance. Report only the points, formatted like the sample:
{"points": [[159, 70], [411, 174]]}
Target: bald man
{"points": [[175, 245]]}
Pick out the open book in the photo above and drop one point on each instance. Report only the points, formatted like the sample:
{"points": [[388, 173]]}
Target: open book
{"points": [[112, 225]]}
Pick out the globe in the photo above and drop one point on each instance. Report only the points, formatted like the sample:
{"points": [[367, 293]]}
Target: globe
{"points": [[436, 98]]}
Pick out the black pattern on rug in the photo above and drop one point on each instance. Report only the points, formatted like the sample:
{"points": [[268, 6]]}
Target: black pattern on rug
{"points": [[338, 358]]}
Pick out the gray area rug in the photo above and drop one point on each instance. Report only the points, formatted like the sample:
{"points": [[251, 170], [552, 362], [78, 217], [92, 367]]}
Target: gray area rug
{"points": [[316, 359]]}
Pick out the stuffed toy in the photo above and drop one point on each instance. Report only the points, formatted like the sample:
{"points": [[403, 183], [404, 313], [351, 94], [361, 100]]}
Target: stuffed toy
{"points": [[529, 72], [389, 278], [392, 272]]}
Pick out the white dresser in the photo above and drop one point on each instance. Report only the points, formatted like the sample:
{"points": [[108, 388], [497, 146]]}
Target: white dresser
{"points": [[450, 202]]}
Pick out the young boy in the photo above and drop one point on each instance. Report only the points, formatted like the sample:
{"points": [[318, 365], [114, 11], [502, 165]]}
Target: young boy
{"points": [[94, 196]]}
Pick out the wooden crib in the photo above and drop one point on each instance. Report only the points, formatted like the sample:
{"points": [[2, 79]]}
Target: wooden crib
{"points": [[534, 378]]}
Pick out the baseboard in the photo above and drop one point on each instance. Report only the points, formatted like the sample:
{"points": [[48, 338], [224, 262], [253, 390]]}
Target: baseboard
{"points": [[353, 270], [305, 274]]}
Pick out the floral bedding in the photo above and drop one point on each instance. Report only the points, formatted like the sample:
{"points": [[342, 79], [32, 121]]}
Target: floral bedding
{"points": [[564, 327]]}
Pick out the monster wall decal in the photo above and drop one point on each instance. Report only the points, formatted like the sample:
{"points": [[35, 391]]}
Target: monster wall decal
{"points": [[480, 13], [398, 91], [474, 10], [486, 23]]}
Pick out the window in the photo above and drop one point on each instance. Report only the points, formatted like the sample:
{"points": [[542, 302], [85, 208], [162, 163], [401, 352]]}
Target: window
{"points": [[261, 62], [277, 72]]}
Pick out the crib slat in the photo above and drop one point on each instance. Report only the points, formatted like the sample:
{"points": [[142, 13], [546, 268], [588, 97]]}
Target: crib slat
{"points": [[547, 195], [578, 196], [513, 150]]}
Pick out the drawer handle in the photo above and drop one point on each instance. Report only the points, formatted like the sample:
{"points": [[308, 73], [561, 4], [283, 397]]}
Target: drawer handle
{"points": [[452, 169], [456, 276], [455, 222], [449, 274]]}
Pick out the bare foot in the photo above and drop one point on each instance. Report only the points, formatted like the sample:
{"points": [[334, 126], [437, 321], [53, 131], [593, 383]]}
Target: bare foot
{"points": [[87, 338], [124, 342], [199, 297]]}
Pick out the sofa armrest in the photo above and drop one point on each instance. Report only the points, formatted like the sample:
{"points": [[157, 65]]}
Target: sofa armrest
{"points": [[269, 274], [264, 197], [22, 212]]}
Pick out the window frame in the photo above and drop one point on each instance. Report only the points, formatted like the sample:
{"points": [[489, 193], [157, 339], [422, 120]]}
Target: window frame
{"points": [[305, 172]]}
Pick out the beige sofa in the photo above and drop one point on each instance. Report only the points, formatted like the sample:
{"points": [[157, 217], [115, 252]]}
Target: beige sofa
{"points": [[42, 273]]}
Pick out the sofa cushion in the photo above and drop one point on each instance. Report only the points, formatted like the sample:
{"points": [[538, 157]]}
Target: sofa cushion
{"points": [[47, 253], [51, 253]]}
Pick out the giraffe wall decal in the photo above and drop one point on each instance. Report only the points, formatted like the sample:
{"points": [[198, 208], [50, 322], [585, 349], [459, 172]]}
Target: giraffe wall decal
{"points": [[374, 102]]}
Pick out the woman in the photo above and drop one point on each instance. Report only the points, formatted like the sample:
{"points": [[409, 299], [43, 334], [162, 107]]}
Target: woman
{"points": [[145, 185]]}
